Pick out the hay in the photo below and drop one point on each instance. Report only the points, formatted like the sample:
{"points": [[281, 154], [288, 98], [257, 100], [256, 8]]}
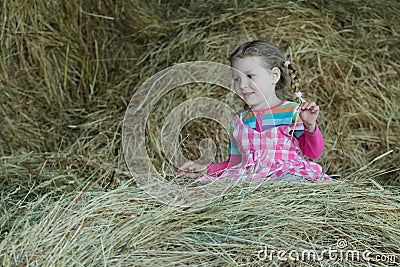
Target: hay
{"points": [[66, 80], [125, 227], [68, 70]]}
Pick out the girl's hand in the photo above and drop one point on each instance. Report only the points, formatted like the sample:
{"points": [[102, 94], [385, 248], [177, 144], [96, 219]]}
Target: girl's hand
{"points": [[190, 170], [308, 113]]}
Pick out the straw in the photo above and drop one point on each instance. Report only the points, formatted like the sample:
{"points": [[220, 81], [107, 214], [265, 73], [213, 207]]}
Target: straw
{"points": [[69, 70]]}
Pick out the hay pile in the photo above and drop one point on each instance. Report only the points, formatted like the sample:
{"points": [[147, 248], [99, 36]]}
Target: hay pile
{"points": [[68, 70], [124, 227]]}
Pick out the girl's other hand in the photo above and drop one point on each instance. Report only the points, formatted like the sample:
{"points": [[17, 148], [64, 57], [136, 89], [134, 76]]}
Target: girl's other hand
{"points": [[308, 113], [190, 170]]}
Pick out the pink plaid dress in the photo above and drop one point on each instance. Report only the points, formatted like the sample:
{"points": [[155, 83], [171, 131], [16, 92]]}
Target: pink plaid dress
{"points": [[271, 154]]}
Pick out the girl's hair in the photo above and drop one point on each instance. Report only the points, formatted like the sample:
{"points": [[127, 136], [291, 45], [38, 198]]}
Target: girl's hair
{"points": [[272, 58]]}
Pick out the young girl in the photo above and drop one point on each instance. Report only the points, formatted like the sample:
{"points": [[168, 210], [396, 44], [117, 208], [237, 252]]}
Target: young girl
{"points": [[270, 139]]}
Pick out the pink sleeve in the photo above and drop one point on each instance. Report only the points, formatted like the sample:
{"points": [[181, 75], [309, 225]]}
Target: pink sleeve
{"points": [[216, 169], [312, 143]]}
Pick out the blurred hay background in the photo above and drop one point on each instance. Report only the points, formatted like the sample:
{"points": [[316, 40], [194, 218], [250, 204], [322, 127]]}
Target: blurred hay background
{"points": [[69, 68]]}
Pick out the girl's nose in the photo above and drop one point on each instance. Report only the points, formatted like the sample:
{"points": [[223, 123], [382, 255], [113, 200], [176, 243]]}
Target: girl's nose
{"points": [[244, 83]]}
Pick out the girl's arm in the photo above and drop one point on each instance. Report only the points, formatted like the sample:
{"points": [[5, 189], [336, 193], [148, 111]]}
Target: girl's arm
{"points": [[312, 143], [217, 169]]}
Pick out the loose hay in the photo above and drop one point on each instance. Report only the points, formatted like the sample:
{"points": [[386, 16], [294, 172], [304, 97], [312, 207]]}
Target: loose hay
{"points": [[68, 71], [125, 227]]}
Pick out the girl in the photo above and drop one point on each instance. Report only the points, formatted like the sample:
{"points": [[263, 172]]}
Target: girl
{"points": [[270, 139]]}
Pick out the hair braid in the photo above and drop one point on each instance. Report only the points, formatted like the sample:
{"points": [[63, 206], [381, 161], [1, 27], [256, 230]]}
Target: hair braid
{"points": [[294, 77], [295, 81]]}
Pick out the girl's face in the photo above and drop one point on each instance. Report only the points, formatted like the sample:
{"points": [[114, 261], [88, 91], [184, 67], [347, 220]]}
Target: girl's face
{"points": [[254, 83]]}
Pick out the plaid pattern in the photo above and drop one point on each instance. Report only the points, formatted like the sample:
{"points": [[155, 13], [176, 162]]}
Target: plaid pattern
{"points": [[282, 114], [272, 154]]}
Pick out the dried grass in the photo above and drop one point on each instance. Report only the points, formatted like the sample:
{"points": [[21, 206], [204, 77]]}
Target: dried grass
{"points": [[125, 227], [68, 70]]}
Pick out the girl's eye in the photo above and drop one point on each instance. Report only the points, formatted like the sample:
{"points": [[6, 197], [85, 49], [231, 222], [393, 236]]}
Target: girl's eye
{"points": [[236, 79], [250, 76]]}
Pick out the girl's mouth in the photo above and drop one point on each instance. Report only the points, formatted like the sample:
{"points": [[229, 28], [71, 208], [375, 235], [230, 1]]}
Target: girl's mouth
{"points": [[248, 94]]}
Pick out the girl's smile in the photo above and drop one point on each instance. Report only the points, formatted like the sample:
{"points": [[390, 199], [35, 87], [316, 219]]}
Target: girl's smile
{"points": [[247, 95]]}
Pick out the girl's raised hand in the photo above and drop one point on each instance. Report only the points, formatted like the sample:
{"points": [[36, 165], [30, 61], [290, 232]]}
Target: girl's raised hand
{"points": [[308, 113], [190, 170]]}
